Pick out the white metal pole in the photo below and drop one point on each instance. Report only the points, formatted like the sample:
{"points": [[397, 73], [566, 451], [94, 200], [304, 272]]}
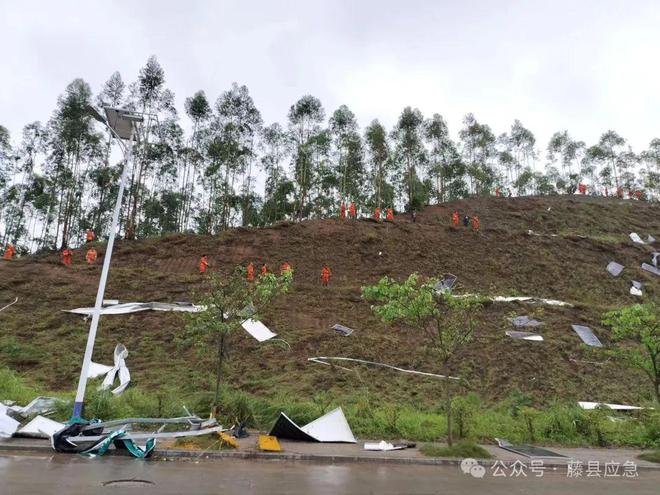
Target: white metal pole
{"points": [[89, 350]]}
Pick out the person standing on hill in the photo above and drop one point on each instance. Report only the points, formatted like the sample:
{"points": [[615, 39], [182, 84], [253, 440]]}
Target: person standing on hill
{"points": [[325, 275], [390, 215], [91, 256], [264, 269], [466, 221], [377, 214], [285, 268], [203, 264], [250, 272], [498, 192], [413, 215], [475, 223], [342, 211], [352, 211], [9, 253], [90, 235], [454, 219], [67, 256]]}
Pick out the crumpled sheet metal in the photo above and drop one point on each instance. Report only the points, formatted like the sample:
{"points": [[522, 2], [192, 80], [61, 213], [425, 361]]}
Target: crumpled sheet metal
{"points": [[524, 321], [324, 360], [136, 307], [112, 372], [614, 268]]}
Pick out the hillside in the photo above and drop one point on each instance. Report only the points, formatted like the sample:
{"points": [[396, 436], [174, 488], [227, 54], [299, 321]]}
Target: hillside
{"points": [[46, 345]]}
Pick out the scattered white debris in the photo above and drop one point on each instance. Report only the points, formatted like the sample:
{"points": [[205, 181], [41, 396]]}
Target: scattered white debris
{"points": [[636, 238], [587, 335], [650, 239], [530, 299], [614, 268], [651, 268], [258, 330], [634, 291], [524, 336], [383, 446], [331, 427], [40, 427], [40, 405], [615, 407], [135, 307], [120, 368], [324, 359], [8, 425]]}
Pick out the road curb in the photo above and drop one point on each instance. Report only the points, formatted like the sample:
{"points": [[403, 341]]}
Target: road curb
{"points": [[179, 454]]}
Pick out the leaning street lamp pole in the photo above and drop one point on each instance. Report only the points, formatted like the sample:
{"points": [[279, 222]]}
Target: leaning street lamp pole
{"points": [[122, 124]]}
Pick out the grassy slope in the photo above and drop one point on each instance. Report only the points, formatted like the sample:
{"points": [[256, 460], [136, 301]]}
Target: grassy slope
{"points": [[46, 345]]}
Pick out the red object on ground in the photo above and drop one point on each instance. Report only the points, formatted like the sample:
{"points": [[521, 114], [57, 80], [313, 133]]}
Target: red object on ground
{"points": [[454, 219], [203, 264], [325, 275], [67, 257], [91, 256], [250, 272]]}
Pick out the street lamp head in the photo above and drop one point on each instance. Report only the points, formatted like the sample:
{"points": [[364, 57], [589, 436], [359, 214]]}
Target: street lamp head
{"points": [[123, 121]]}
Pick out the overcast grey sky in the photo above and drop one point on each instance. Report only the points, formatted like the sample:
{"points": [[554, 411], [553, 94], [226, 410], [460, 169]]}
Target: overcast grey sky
{"points": [[582, 65]]}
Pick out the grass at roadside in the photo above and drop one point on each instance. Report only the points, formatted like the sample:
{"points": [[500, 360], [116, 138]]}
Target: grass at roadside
{"points": [[460, 450], [650, 456]]}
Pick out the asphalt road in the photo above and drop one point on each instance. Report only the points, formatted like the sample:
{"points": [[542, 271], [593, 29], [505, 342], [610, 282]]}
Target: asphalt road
{"points": [[74, 475]]}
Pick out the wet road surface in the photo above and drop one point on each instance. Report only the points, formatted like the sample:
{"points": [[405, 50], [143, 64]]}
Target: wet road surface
{"points": [[73, 475]]}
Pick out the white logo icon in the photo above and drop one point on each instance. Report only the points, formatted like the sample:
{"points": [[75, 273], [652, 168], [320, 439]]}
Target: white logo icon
{"points": [[472, 467]]}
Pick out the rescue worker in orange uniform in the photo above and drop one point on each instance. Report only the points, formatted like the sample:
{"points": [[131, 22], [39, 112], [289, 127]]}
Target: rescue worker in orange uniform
{"points": [[203, 264], [638, 194], [250, 272], [390, 215], [475, 223], [67, 256], [90, 235], [454, 219], [91, 256], [352, 211], [377, 214], [285, 268], [498, 192], [325, 275], [342, 211], [9, 252], [264, 270]]}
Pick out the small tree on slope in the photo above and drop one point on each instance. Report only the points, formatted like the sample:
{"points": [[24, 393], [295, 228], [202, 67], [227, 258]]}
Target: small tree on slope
{"points": [[446, 321], [639, 327], [228, 302]]}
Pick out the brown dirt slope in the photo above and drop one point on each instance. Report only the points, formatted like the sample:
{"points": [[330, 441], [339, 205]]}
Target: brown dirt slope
{"points": [[579, 236]]}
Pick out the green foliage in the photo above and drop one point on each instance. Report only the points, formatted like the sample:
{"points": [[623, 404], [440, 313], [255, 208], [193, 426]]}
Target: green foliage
{"points": [[637, 329], [650, 456], [461, 450]]}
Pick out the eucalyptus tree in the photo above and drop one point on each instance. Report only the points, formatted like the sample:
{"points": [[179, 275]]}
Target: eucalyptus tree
{"points": [[606, 155], [522, 143], [443, 155], [570, 153], [6, 171], [275, 147], [378, 152], [651, 171], [478, 150], [199, 111], [304, 119], [410, 154]]}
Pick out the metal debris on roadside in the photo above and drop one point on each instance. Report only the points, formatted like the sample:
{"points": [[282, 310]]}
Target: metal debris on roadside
{"points": [[268, 443], [636, 288], [341, 329], [135, 307], [111, 372], [10, 304], [527, 450], [385, 446], [329, 428], [614, 268], [258, 330], [40, 427], [447, 282], [587, 336], [650, 269], [650, 239], [636, 239]]}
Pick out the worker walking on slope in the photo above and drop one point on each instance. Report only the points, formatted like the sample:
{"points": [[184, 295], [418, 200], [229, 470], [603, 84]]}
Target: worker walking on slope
{"points": [[67, 257], [454, 219], [475, 223], [377, 214], [250, 272], [90, 236], [342, 211], [203, 264], [264, 269], [325, 275], [390, 215], [91, 256], [466, 221], [9, 253], [285, 268], [352, 211]]}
